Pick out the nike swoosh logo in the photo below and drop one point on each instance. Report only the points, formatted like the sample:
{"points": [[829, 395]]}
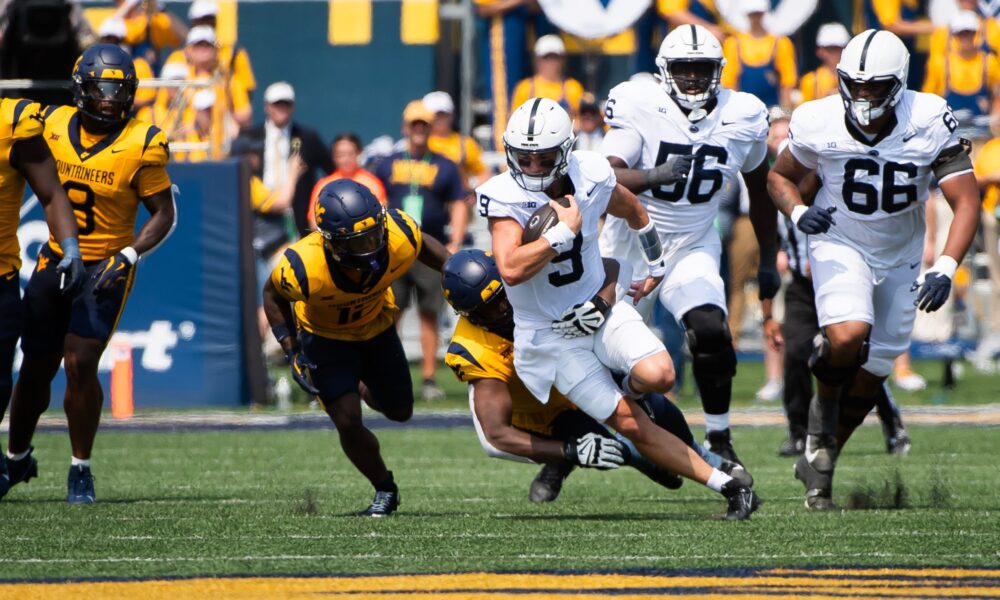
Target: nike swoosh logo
{"points": [[915, 265], [592, 190], [724, 123], [117, 151], [907, 138], [811, 456]]}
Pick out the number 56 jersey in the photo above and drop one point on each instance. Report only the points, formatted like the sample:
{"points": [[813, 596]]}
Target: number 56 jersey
{"points": [[105, 177], [647, 128], [878, 185]]}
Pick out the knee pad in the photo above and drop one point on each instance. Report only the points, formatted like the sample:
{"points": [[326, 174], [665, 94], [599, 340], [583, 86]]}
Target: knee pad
{"points": [[819, 362], [853, 410], [709, 340]]}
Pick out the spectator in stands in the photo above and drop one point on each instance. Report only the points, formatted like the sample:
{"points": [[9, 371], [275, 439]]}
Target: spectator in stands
{"points": [[549, 80], [233, 58], [168, 111], [112, 31], [693, 12], [270, 214], [202, 52], [283, 137], [429, 188], [150, 29], [346, 153], [987, 33], [988, 174], [906, 19], [758, 62], [591, 124], [456, 147], [966, 75], [823, 81], [198, 136], [503, 29]]}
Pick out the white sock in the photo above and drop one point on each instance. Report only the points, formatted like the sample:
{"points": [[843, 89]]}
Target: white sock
{"points": [[79, 462], [18, 456], [717, 480], [716, 422]]}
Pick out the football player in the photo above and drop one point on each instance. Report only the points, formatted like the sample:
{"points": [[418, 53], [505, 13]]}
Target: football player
{"points": [[564, 333], [510, 423], [876, 147], [108, 163], [330, 306], [684, 126], [25, 157]]}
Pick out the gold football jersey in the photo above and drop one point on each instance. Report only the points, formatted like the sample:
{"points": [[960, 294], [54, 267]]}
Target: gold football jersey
{"points": [[20, 119]]}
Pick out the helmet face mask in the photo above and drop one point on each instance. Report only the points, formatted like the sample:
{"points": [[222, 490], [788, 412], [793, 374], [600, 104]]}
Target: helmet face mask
{"points": [[361, 250], [494, 313], [868, 100], [538, 141], [692, 82]]}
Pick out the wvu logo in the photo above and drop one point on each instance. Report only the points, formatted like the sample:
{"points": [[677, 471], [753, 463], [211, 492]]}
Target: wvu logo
{"points": [[53, 137], [43, 262], [285, 284], [320, 211]]}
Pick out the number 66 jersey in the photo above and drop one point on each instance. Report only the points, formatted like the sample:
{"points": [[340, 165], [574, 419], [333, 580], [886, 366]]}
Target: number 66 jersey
{"points": [[878, 184]]}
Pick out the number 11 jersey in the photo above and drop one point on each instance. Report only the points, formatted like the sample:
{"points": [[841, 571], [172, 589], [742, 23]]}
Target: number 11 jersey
{"points": [[648, 127], [878, 184], [105, 177]]}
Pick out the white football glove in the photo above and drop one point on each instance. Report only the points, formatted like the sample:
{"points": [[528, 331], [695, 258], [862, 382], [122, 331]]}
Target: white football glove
{"points": [[597, 451], [583, 319]]}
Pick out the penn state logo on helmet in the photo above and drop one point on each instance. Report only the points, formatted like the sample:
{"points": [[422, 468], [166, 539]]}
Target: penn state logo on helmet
{"points": [[353, 224], [104, 85], [473, 287], [538, 140]]}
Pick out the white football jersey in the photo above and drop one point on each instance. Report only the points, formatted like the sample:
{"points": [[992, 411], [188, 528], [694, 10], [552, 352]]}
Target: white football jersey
{"points": [[878, 186], [652, 128], [573, 276]]}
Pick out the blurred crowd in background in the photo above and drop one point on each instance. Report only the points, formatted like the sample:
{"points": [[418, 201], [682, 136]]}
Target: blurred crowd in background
{"points": [[200, 91]]}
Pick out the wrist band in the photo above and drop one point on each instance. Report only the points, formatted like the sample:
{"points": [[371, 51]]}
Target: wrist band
{"points": [[280, 332], [797, 213], [946, 266], [70, 247], [559, 237], [130, 253]]}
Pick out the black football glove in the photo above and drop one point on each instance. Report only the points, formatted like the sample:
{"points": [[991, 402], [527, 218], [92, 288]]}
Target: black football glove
{"points": [[816, 220], [70, 268], [111, 273], [597, 451], [301, 366], [934, 291], [672, 170]]}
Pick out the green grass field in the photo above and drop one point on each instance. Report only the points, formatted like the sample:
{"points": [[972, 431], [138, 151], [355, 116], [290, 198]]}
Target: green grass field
{"points": [[219, 503]]}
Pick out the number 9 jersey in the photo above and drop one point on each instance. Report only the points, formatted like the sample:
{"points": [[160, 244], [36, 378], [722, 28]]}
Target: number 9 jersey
{"points": [[877, 184], [105, 177], [647, 127]]}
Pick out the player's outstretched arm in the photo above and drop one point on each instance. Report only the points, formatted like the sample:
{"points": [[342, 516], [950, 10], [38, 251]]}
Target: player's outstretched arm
{"points": [[962, 194], [624, 204], [161, 222], [433, 253], [764, 218], [494, 410], [783, 183], [278, 310], [674, 169]]}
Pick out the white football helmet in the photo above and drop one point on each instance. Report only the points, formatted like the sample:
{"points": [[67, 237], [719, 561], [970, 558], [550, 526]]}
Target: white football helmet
{"points": [[539, 126], [872, 57], [691, 43]]}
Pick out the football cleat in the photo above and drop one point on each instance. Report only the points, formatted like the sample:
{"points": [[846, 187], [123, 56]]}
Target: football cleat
{"points": [[545, 487], [721, 443], [821, 453], [819, 486], [18, 471], [742, 500], [793, 446], [899, 444], [384, 505], [80, 486], [737, 472]]}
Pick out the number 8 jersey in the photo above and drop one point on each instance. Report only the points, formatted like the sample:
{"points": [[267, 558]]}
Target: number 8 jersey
{"points": [[647, 127], [105, 177], [879, 183]]}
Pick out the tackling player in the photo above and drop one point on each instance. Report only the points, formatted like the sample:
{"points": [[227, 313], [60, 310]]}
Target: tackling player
{"points": [[25, 157], [681, 143], [510, 423], [108, 163], [564, 335], [331, 308], [876, 148]]}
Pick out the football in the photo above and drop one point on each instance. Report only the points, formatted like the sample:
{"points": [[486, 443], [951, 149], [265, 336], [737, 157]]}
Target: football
{"points": [[541, 221]]}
